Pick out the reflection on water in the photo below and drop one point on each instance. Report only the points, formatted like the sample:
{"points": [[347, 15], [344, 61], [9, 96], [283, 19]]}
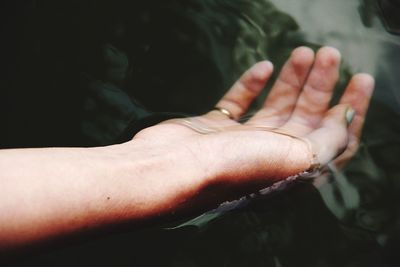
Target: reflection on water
{"points": [[363, 198], [368, 49], [346, 219]]}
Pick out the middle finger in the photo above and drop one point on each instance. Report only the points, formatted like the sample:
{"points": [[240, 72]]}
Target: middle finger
{"points": [[282, 99], [314, 100]]}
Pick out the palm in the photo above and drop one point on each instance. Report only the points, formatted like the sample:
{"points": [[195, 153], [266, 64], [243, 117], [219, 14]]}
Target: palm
{"points": [[296, 109]]}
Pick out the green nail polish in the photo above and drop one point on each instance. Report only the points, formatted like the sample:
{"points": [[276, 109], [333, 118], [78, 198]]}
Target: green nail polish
{"points": [[350, 115]]}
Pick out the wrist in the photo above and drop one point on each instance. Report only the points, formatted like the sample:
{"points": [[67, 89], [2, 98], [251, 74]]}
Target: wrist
{"points": [[258, 160]]}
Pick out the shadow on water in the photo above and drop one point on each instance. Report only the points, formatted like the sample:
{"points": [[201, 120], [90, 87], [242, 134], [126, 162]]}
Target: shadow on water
{"points": [[180, 56]]}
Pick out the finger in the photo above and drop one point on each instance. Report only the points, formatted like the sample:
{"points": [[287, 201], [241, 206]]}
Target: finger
{"points": [[238, 99], [331, 138], [317, 92], [357, 95], [283, 96]]}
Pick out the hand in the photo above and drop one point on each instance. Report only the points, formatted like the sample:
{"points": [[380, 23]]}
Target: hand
{"points": [[187, 165], [298, 106]]}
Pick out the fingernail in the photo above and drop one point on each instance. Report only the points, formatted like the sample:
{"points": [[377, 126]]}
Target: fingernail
{"points": [[350, 115]]}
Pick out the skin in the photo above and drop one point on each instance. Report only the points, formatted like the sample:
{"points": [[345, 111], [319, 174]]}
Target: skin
{"points": [[171, 168]]}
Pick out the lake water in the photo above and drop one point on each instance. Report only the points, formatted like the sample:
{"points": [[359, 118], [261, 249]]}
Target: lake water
{"points": [[351, 219]]}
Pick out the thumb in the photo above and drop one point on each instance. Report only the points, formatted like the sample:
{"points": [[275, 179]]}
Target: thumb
{"points": [[331, 138]]}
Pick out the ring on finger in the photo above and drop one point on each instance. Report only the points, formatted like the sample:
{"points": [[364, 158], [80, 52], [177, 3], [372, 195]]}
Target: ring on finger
{"points": [[225, 112]]}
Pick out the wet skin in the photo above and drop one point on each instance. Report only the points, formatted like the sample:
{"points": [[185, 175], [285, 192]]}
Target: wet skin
{"points": [[172, 168]]}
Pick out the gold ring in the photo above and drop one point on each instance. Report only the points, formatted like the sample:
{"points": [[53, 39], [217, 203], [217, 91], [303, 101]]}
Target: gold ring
{"points": [[224, 111]]}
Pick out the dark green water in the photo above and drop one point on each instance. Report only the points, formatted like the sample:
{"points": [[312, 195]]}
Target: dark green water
{"points": [[181, 56]]}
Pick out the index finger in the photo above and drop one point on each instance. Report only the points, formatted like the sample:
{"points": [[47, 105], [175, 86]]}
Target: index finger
{"points": [[246, 89]]}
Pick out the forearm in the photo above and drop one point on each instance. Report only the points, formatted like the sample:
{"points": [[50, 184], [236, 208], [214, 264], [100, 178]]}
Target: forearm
{"points": [[50, 192], [54, 191]]}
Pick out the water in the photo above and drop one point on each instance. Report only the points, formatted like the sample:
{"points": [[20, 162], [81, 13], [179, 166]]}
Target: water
{"points": [[347, 219]]}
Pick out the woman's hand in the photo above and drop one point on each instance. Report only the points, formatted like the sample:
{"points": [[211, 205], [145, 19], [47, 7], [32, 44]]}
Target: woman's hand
{"points": [[191, 164], [280, 139]]}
